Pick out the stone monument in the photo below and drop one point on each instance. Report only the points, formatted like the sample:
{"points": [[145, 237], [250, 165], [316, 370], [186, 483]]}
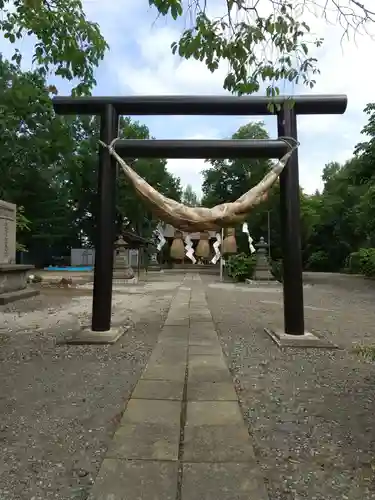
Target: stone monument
{"points": [[8, 212], [154, 263], [121, 267], [262, 265], [13, 277]]}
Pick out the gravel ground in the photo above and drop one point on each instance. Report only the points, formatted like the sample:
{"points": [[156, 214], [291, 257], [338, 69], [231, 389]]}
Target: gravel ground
{"points": [[310, 412], [59, 405]]}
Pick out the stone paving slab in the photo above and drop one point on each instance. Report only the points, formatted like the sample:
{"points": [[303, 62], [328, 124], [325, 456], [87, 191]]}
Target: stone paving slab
{"points": [[167, 342], [175, 357], [167, 361], [200, 317], [202, 329], [222, 482], [174, 331], [180, 306], [207, 368], [145, 442], [164, 372], [199, 310], [213, 349], [217, 443], [207, 336], [211, 391], [205, 360], [131, 480], [213, 413], [174, 346], [149, 411], [179, 310], [158, 389], [175, 321], [203, 342], [177, 343]]}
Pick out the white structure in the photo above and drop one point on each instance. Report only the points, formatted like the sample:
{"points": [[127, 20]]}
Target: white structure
{"points": [[86, 257], [82, 257]]}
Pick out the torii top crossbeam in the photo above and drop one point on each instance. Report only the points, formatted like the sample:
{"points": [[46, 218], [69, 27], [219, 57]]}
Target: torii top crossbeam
{"points": [[310, 104]]}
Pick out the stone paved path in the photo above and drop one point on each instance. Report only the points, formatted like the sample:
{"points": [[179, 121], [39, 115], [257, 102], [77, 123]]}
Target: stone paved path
{"points": [[182, 435]]}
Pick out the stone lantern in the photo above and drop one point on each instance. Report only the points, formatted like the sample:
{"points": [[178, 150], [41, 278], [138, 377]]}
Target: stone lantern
{"points": [[121, 267], [262, 266]]}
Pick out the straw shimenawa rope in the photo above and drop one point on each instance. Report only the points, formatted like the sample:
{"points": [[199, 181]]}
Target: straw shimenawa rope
{"points": [[192, 219]]}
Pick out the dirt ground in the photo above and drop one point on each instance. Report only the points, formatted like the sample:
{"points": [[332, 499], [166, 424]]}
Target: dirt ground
{"points": [[310, 412]]}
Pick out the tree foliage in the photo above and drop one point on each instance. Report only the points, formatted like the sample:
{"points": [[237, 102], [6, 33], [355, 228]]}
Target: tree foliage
{"points": [[66, 42], [189, 197], [261, 41], [345, 210], [227, 180]]}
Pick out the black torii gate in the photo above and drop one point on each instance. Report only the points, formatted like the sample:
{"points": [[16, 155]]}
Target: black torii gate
{"points": [[110, 108]]}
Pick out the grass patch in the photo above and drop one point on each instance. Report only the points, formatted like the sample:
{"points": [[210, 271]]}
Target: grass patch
{"points": [[366, 351]]}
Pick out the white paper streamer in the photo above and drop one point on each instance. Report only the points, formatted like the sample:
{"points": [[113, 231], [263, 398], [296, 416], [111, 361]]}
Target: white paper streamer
{"points": [[189, 250], [245, 229], [160, 236], [216, 246]]}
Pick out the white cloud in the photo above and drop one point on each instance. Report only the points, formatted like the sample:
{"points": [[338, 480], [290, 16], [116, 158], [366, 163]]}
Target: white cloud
{"points": [[189, 171], [159, 72]]}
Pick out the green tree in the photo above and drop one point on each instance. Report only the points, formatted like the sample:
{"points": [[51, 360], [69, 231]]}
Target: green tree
{"points": [[227, 180], [49, 165], [33, 148], [342, 216], [189, 197]]}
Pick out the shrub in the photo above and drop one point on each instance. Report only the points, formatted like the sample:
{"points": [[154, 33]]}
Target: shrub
{"points": [[367, 351], [367, 261], [277, 270], [319, 261], [241, 266]]}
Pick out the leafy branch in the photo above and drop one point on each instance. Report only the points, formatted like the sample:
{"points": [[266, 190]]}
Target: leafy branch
{"points": [[260, 48], [23, 225], [67, 43]]}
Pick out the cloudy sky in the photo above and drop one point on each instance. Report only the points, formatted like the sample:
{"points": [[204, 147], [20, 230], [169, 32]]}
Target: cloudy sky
{"points": [[140, 62]]}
